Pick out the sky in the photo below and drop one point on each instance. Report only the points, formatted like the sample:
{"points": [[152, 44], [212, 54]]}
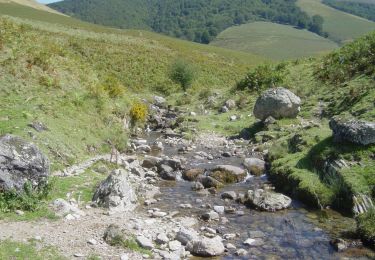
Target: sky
{"points": [[47, 1]]}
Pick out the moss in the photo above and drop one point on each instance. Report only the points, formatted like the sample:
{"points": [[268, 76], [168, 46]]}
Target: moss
{"points": [[227, 177], [366, 227]]}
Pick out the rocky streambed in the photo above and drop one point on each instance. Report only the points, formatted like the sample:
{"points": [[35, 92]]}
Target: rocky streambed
{"points": [[247, 231]]}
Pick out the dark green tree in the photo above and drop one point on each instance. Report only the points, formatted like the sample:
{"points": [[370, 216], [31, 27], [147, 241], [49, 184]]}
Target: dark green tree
{"points": [[182, 73]]}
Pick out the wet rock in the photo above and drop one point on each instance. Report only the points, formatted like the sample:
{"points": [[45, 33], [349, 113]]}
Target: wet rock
{"points": [[254, 242], [255, 166], [354, 131], [192, 174], [219, 209], [211, 215], [209, 182], [144, 242], [116, 192], [339, 244], [241, 252], [228, 173], [185, 235], [150, 161], [166, 172], [157, 146], [21, 162], [267, 200], [206, 247], [185, 206], [226, 154], [197, 186], [278, 103], [230, 195], [174, 163]]}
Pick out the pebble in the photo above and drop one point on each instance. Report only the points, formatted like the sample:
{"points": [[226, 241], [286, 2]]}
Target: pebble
{"points": [[241, 252], [186, 206], [92, 242], [124, 257], [162, 238], [219, 209], [254, 242], [79, 255], [230, 246], [19, 212]]}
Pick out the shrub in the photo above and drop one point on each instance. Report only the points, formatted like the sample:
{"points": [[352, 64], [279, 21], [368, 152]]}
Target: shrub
{"points": [[29, 199], [182, 73], [113, 87], [366, 227], [138, 113], [263, 76]]}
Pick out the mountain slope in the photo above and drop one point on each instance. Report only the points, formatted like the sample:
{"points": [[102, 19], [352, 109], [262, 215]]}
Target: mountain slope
{"points": [[33, 4], [274, 41], [341, 27], [197, 20], [362, 8]]}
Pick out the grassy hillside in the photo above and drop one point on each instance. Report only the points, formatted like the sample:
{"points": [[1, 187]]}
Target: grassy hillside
{"points": [[81, 83], [274, 41], [341, 27], [33, 4], [195, 20]]}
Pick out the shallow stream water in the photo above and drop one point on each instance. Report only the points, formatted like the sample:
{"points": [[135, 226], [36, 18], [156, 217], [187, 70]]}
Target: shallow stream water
{"points": [[289, 234]]}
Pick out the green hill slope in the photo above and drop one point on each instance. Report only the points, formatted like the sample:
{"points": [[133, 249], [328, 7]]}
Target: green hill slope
{"points": [[81, 82], [274, 41], [341, 27], [196, 20], [362, 8]]}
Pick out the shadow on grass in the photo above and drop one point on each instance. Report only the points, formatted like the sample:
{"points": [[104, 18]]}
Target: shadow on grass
{"points": [[248, 133]]}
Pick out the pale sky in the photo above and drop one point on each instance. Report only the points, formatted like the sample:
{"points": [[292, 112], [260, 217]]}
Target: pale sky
{"points": [[47, 1]]}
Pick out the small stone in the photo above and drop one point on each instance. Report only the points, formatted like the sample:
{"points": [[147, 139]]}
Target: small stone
{"points": [[92, 242], [212, 215], [233, 118], [79, 255], [158, 214], [185, 206], [19, 212], [219, 209], [144, 242], [231, 195], [124, 257], [254, 242], [70, 217], [174, 245], [162, 238], [230, 246], [241, 252]]}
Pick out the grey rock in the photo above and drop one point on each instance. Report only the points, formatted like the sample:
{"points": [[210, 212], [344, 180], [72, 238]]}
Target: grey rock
{"points": [[278, 103], [219, 209], [166, 172], [116, 192], [206, 247], [211, 215], [21, 162], [38, 126], [144, 242], [255, 166], [224, 109], [233, 118], [231, 195], [143, 148], [241, 252], [174, 245], [62, 208], [113, 234], [254, 242], [151, 161], [185, 235], [222, 172], [197, 186], [159, 101], [354, 131], [162, 238], [267, 200], [209, 182], [230, 104]]}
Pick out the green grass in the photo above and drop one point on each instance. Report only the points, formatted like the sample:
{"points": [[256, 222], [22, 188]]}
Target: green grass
{"points": [[274, 41], [341, 27], [10, 250]]}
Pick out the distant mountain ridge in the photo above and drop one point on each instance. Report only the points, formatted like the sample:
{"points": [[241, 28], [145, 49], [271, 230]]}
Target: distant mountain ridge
{"points": [[31, 3], [194, 20]]}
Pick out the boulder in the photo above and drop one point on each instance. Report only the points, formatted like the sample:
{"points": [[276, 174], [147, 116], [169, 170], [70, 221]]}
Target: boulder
{"points": [[144, 242], [166, 172], [206, 247], [116, 192], [228, 173], [255, 166], [21, 162], [151, 161], [278, 103], [159, 101], [192, 174], [185, 235], [197, 186], [267, 200], [354, 131], [209, 182], [230, 195]]}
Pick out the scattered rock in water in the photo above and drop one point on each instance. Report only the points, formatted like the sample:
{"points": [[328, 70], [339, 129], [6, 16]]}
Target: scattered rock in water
{"points": [[157, 146], [339, 244], [278, 103], [206, 247], [255, 166], [166, 172], [228, 174], [143, 148], [197, 186], [150, 161], [192, 174], [144, 242], [116, 192], [226, 154], [21, 162], [211, 215], [254, 242], [209, 182], [256, 234], [267, 200], [219, 209], [241, 252], [354, 131], [230, 246], [230, 195]]}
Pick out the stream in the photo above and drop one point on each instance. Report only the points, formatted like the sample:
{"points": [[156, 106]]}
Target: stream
{"points": [[295, 233]]}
